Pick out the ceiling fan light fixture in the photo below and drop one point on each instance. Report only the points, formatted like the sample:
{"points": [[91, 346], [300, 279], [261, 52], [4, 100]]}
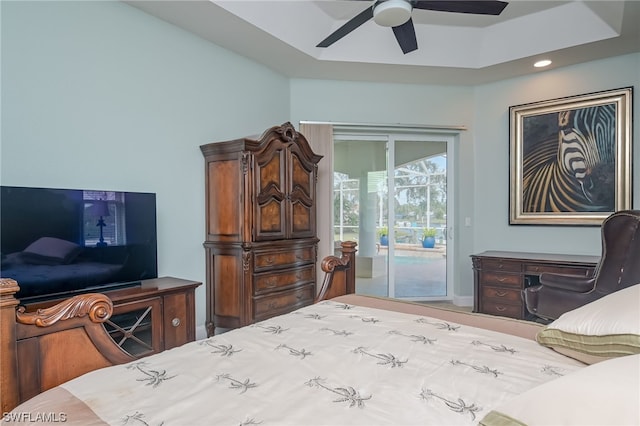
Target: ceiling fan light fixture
{"points": [[392, 13]]}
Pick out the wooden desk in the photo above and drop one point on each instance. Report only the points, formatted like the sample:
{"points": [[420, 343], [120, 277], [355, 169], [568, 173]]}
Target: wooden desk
{"points": [[500, 276]]}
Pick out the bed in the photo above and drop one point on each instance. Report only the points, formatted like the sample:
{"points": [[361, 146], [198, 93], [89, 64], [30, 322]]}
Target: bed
{"points": [[357, 360]]}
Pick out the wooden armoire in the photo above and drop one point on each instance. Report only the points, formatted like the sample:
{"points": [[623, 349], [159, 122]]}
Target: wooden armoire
{"points": [[261, 242]]}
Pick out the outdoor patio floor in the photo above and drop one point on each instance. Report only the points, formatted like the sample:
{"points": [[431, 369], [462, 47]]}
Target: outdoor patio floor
{"points": [[419, 272]]}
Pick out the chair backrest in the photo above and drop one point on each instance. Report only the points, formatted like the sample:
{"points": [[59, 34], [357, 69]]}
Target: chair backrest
{"points": [[620, 263]]}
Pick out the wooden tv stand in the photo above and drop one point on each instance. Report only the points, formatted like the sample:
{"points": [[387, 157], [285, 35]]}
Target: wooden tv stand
{"points": [[156, 315], [500, 277]]}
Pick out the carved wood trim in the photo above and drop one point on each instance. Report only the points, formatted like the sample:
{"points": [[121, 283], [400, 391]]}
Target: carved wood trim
{"points": [[95, 305], [246, 260], [332, 265], [287, 133], [9, 396], [8, 288], [245, 163]]}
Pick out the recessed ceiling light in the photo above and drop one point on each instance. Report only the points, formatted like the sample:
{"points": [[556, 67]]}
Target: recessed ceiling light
{"points": [[543, 63]]}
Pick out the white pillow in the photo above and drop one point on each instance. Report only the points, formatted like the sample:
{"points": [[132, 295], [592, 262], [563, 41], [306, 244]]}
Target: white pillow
{"points": [[606, 393], [605, 328]]}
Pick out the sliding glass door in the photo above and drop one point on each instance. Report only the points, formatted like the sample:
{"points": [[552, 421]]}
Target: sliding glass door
{"points": [[391, 196]]}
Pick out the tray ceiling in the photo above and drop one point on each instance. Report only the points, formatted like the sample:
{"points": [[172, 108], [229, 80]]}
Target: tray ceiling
{"points": [[453, 48]]}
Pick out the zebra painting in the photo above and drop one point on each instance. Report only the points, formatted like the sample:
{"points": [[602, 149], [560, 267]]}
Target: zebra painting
{"points": [[569, 161]]}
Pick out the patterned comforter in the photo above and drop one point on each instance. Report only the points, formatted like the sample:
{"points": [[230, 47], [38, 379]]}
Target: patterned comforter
{"points": [[327, 364]]}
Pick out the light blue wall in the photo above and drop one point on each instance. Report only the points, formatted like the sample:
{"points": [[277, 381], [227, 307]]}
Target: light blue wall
{"points": [[491, 153], [99, 95], [491, 147], [380, 103], [482, 163]]}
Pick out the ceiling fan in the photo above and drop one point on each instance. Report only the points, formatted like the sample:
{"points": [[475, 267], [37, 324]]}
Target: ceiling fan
{"points": [[397, 14]]}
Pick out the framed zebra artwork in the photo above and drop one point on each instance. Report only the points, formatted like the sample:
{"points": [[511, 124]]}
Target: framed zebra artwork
{"points": [[570, 159]]}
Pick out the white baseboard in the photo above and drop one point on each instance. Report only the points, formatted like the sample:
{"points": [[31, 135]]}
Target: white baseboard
{"points": [[463, 300], [201, 332]]}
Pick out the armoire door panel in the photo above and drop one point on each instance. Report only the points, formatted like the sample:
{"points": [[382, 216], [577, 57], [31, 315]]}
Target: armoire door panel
{"points": [[270, 197], [271, 171], [301, 177], [301, 223], [298, 194], [227, 269], [270, 220], [224, 177]]}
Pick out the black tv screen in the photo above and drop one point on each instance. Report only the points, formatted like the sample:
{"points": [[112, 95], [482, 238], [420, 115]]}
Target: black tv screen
{"points": [[56, 242]]}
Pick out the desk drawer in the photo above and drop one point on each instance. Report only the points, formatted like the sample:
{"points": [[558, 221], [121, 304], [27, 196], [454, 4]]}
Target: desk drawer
{"points": [[538, 269], [501, 265], [499, 279], [493, 308], [501, 295]]}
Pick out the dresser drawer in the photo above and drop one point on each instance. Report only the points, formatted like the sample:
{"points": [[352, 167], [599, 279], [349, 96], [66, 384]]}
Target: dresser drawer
{"points": [[282, 302], [502, 295], [501, 265], [505, 310], [284, 258], [273, 281], [499, 279]]}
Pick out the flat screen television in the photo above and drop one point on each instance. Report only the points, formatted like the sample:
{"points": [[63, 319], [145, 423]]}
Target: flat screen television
{"points": [[58, 242]]}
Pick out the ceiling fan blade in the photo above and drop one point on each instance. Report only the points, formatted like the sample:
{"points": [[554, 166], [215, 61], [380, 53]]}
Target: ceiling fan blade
{"points": [[406, 36], [351, 25], [461, 6]]}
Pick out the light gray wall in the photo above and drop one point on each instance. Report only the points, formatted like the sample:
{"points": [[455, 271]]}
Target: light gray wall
{"points": [[482, 163], [99, 95]]}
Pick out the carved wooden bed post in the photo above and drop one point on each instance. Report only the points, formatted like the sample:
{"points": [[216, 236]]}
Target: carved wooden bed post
{"points": [[339, 273], [8, 348]]}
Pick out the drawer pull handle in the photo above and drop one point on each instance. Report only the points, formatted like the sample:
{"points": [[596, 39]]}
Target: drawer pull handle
{"points": [[500, 266], [502, 279], [500, 308], [501, 293], [272, 305], [299, 257], [175, 322], [299, 275], [269, 260], [298, 296], [271, 283]]}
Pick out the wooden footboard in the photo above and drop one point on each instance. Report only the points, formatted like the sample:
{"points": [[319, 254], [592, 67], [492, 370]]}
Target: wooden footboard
{"points": [[340, 273], [50, 346], [47, 347]]}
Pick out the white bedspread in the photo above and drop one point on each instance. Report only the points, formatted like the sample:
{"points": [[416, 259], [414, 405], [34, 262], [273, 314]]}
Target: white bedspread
{"points": [[326, 364]]}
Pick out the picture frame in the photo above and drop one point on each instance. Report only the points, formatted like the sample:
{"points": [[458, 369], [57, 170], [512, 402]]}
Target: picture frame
{"points": [[570, 159]]}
